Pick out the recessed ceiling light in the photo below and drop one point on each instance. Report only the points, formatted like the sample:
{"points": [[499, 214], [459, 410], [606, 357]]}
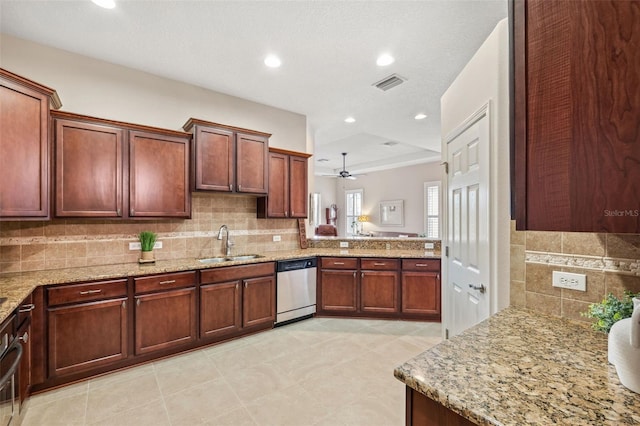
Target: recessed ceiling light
{"points": [[107, 4], [420, 116], [349, 120], [272, 61], [384, 60], [390, 143]]}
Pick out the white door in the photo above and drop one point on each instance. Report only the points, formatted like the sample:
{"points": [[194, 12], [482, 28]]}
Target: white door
{"points": [[468, 285]]}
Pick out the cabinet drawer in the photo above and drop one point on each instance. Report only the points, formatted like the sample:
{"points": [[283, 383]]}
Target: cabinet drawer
{"points": [[232, 273], [86, 292], [164, 282], [339, 262], [383, 264], [421, 265]]}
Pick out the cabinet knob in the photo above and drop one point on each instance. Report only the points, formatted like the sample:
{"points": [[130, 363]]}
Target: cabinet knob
{"points": [[230, 187], [361, 274], [239, 187], [118, 212], [354, 274], [131, 212], [124, 304], [138, 302]]}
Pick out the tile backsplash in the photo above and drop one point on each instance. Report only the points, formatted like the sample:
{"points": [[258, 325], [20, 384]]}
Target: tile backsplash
{"points": [[611, 263], [64, 243]]}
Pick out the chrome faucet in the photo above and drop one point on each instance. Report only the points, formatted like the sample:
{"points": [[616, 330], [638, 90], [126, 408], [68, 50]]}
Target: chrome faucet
{"points": [[227, 243]]}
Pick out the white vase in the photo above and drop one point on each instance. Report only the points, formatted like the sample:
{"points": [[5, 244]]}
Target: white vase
{"points": [[624, 348]]}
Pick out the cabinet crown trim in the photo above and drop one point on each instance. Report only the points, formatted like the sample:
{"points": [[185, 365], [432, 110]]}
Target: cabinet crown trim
{"points": [[287, 152], [188, 126], [54, 99]]}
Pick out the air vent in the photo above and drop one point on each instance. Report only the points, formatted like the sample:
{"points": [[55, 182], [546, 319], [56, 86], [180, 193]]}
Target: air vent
{"points": [[390, 82]]}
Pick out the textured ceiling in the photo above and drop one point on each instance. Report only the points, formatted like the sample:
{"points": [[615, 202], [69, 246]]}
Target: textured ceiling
{"points": [[328, 51]]}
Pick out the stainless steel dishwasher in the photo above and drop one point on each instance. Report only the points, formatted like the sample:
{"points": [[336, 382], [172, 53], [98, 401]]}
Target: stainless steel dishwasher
{"points": [[296, 289]]}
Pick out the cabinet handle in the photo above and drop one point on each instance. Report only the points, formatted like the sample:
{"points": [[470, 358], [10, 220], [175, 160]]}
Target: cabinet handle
{"points": [[138, 302], [26, 308], [84, 293], [230, 187], [379, 263], [354, 274], [361, 274], [131, 212], [286, 214], [124, 304], [245, 284], [422, 264], [239, 187], [24, 337], [338, 263], [167, 282], [236, 286], [118, 212]]}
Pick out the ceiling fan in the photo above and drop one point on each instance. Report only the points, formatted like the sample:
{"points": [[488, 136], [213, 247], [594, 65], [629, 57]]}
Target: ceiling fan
{"points": [[344, 174]]}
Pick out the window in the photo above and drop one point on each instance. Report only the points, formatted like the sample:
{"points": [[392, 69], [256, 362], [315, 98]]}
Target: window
{"points": [[432, 210], [353, 209]]}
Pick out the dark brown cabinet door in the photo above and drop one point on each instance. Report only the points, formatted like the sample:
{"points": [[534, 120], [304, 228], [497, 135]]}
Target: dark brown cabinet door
{"points": [[213, 159], [379, 292], [258, 301], [577, 139], [86, 336], [421, 293], [88, 179], [165, 320], [24, 372], [298, 186], [252, 163], [220, 309], [278, 198], [24, 148], [158, 175], [339, 291]]}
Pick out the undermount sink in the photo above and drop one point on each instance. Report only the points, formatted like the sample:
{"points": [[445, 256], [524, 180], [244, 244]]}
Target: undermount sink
{"points": [[229, 258]]}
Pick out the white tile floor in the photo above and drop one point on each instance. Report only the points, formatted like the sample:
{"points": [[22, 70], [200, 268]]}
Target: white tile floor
{"points": [[321, 371]]}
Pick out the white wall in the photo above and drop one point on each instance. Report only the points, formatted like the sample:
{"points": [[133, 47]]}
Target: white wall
{"points": [[96, 88], [484, 78], [405, 183]]}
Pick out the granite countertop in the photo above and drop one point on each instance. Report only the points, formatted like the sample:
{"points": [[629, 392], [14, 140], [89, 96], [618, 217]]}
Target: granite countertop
{"points": [[15, 287], [524, 368]]}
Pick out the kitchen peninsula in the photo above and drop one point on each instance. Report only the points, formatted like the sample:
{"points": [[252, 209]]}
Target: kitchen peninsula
{"points": [[518, 368]]}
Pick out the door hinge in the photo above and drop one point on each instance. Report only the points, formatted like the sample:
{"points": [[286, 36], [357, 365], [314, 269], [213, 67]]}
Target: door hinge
{"points": [[446, 251], [446, 333]]}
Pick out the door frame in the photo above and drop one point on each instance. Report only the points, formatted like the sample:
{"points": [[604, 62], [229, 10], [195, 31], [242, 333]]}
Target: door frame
{"points": [[484, 110]]}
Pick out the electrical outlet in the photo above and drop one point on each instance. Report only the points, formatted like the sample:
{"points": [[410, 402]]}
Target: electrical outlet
{"points": [[157, 245], [570, 280], [429, 246], [388, 246], [344, 244], [135, 246], [277, 238]]}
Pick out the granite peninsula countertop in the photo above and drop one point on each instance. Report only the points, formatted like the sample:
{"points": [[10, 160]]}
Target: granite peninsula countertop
{"points": [[524, 368], [16, 286]]}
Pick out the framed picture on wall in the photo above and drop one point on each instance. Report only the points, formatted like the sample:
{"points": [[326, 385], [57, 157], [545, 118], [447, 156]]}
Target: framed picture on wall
{"points": [[392, 213]]}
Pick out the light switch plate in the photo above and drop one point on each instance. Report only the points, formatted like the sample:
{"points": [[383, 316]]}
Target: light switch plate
{"points": [[277, 238], [344, 244], [429, 246]]}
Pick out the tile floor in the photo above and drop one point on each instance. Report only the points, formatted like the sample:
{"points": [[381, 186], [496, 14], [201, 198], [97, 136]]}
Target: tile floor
{"points": [[320, 371]]}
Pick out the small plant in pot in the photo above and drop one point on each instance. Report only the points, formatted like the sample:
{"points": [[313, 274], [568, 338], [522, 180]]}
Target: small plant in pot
{"points": [[610, 311], [147, 241]]}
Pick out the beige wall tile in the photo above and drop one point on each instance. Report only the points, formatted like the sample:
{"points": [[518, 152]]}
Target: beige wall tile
{"points": [[517, 237], [538, 280], [55, 251], [550, 305], [33, 252], [626, 246], [77, 249], [573, 309], [10, 253], [9, 229], [517, 257], [517, 294], [32, 229], [6, 267], [618, 283], [584, 243], [544, 241]]}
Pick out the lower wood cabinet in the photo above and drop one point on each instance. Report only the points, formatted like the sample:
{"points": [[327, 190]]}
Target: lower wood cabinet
{"points": [[424, 411], [165, 312], [379, 287], [83, 336], [236, 298]]}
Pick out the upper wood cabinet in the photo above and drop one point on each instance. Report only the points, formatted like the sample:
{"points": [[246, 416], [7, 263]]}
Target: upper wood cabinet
{"points": [[287, 195], [227, 158], [24, 147], [106, 168], [576, 92]]}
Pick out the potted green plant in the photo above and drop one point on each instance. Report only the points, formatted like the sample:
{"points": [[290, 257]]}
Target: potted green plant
{"points": [[147, 241], [610, 311]]}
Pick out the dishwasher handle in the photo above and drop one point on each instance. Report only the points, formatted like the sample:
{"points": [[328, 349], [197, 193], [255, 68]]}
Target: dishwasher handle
{"points": [[15, 346]]}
